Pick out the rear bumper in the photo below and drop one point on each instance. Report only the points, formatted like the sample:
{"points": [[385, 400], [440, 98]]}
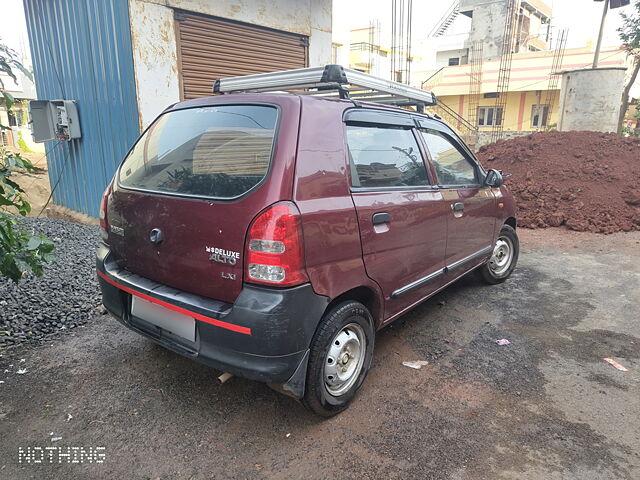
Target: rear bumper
{"points": [[264, 336]]}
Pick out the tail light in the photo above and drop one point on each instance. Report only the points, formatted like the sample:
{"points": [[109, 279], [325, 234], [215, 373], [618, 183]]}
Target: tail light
{"points": [[275, 250], [104, 223]]}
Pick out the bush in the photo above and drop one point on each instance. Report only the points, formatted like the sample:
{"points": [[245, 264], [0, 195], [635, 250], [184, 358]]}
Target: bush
{"points": [[20, 251]]}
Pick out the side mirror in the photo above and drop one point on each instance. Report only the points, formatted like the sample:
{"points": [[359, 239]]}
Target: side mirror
{"points": [[494, 178]]}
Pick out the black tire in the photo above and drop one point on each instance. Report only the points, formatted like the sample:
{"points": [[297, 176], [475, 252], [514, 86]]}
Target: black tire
{"points": [[489, 271], [336, 322]]}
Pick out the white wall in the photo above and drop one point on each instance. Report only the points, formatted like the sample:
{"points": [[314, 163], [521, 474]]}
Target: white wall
{"points": [[320, 21], [442, 58], [155, 59], [590, 99], [432, 50], [341, 32], [154, 39]]}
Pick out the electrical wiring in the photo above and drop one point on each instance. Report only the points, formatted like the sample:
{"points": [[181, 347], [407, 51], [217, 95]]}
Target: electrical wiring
{"points": [[53, 189]]}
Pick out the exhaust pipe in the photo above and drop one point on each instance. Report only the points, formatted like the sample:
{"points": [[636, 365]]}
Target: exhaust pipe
{"points": [[224, 377]]}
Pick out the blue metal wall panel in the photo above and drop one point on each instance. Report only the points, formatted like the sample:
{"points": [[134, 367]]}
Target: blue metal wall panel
{"points": [[81, 50]]}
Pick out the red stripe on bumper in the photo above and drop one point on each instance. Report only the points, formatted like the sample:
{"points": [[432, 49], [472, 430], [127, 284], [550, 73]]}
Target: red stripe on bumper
{"points": [[197, 316]]}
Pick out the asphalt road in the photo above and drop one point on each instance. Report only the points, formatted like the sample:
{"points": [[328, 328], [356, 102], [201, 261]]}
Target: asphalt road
{"points": [[544, 407]]}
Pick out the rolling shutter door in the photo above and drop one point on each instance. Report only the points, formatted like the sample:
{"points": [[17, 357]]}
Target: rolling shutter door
{"points": [[210, 48]]}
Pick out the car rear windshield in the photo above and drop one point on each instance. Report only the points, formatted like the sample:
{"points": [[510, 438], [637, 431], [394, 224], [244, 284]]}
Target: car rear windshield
{"points": [[215, 151]]}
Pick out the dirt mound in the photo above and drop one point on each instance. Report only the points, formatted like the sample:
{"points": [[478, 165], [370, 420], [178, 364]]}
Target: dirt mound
{"points": [[587, 181]]}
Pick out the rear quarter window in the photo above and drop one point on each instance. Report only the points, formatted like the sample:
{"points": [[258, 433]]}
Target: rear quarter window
{"points": [[384, 156], [215, 151]]}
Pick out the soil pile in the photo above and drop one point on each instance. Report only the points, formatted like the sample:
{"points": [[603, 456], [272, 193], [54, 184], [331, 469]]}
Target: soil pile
{"points": [[587, 181]]}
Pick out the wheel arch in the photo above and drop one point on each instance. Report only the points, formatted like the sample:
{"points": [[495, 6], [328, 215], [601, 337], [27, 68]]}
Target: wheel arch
{"points": [[365, 295], [511, 221]]}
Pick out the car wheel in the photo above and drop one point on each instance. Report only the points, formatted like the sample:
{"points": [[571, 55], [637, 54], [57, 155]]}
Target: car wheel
{"points": [[504, 257], [340, 357]]}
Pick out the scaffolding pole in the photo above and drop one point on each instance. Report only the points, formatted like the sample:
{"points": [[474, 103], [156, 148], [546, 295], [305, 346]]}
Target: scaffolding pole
{"points": [[401, 38], [475, 83], [554, 75], [504, 71]]}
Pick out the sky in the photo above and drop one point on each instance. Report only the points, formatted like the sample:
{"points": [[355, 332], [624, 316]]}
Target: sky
{"points": [[581, 17], [14, 27]]}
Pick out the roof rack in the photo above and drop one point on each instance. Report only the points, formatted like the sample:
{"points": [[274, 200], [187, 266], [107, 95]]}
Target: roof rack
{"points": [[330, 81]]}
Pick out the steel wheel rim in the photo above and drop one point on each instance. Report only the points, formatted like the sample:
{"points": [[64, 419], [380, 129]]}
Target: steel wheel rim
{"points": [[344, 360], [502, 256]]}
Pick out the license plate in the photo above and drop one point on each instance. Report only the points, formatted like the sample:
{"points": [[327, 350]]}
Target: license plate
{"points": [[176, 323]]}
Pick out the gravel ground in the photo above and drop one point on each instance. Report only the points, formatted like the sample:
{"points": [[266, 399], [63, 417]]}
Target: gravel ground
{"points": [[65, 297], [545, 407]]}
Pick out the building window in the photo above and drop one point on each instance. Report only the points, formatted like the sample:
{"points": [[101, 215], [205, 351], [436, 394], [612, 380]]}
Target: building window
{"points": [[491, 95], [539, 116], [12, 119], [489, 116], [335, 50], [20, 118], [454, 61]]}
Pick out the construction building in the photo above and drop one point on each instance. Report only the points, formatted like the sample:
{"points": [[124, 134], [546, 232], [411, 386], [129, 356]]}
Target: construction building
{"points": [[532, 100], [370, 53], [497, 71], [382, 46], [489, 21], [468, 21]]}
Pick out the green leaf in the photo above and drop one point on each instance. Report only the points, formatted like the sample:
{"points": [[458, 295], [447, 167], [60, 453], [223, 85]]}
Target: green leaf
{"points": [[21, 252], [6, 68], [34, 243], [8, 100], [47, 245]]}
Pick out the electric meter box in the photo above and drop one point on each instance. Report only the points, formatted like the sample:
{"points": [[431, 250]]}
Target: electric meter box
{"points": [[54, 120]]}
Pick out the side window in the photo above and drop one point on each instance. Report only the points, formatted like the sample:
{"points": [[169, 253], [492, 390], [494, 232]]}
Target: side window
{"points": [[384, 157], [452, 167]]}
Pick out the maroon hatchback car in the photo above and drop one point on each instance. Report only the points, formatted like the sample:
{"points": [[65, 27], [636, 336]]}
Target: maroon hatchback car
{"points": [[270, 235]]}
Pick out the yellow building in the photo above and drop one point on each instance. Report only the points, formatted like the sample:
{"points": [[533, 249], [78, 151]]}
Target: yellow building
{"points": [[369, 54], [532, 97]]}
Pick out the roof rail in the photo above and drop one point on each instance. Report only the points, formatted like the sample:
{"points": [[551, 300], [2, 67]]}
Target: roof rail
{"points": [[330, 81]]}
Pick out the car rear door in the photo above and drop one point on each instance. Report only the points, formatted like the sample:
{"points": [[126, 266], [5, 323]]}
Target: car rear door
{"points": [[472, 205], [401, 215], [186, 193]]}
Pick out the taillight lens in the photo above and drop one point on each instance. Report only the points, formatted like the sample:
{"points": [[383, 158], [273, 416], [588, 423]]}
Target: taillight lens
{"points": [[275, 250], [104, 223]]}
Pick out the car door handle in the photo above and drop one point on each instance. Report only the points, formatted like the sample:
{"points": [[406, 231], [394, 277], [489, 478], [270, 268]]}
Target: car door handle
{"points": [[457, 207], [381, 217]]}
